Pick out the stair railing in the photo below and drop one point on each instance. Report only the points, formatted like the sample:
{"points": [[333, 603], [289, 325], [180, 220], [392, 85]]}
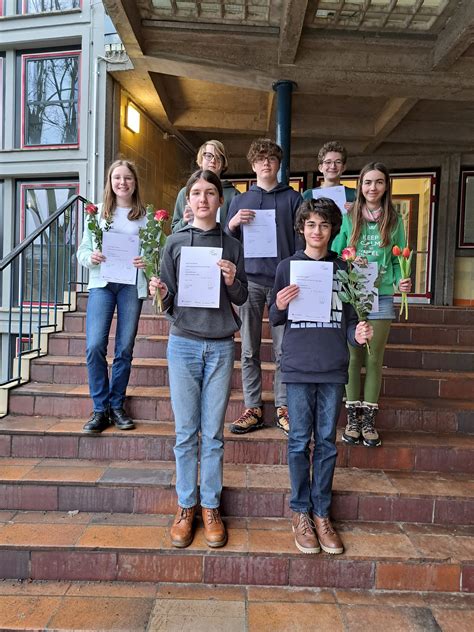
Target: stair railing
{"points": [[39, 282]]}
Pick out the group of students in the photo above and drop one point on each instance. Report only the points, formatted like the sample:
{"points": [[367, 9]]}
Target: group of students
{"points": [[314, 362]]}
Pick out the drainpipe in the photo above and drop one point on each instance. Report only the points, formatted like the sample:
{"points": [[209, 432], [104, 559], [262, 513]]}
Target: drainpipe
{"points": [[284, 90]]}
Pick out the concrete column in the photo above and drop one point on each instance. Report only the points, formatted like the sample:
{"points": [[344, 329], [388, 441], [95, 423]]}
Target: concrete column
{"points": [[284, 90]]}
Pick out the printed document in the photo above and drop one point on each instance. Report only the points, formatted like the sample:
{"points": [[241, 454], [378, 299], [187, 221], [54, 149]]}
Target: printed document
{"points": [[260, 237], [314, 279], [337, 194], [199, 281], [119, 251]]}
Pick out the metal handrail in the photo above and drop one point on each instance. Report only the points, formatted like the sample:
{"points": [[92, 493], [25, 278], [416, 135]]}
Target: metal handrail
{"points": [[39, 283]]}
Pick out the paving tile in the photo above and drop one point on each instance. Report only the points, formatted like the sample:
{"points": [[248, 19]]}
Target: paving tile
{"points": [[5, 516], [201, 591], [114, 536], [26, 612], [131, 519], [102, 613], [406, 619], [83, 498], [137, 476], [32, 497], [383, 598], [378, 545], [111, 589], [355, 480], [34, 535], [5, 445], [454, 511], [14, 472], [259, 570], [268, 477], [160, 568], [72, 565], [266, 541], [51, 517], [467, 578], [146, 500], [14, 564], [434, 484], [277, 617], [235, 476], [324, 571], [444, 547], [454, 620], [404, 576], [64, 474], [290, 594], [171, 615]]}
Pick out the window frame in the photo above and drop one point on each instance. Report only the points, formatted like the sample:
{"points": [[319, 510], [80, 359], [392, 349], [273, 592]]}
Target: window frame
{"points": [[2, 93], [25, 57], [464, 247], [22, 9]]}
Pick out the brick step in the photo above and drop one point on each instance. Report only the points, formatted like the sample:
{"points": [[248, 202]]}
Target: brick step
{"points": [[141, 606], [396, 382], [130, 486], [22, 437], [153, 403], [400, 333], [422, 356], [260, 551]]}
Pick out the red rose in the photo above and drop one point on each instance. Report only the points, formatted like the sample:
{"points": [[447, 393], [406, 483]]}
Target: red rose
{"points": [[396, 251], [161, 215], [349, 254], [90, 209], [406, 252]]}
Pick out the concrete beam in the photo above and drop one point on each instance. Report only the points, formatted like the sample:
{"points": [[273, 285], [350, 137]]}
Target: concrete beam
{"points": [[291, 25], [393, 113], [127, 20], [220, 121], [456, 37]]}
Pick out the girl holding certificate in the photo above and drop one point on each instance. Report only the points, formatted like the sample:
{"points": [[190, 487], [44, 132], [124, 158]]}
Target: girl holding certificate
{"points": [[122, 212], [200, 352], [372, 227]]}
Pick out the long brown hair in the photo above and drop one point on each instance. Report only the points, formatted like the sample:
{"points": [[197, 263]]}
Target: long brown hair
{"points": [[110, 201], [389, 217]]}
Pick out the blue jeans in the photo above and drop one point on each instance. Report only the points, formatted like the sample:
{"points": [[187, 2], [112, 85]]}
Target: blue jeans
{"points": [[251, 315], [100, 310], [199, 373], [313, 410]]}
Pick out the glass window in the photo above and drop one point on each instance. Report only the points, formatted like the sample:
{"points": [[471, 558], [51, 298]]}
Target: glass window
{"points": [[50, 99], [466, 218], [46, 6]]}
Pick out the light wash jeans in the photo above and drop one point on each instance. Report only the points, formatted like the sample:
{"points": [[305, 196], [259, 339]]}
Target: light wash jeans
{"points": [[199, 373], [101, 306], [251, 315], [313, 410]]}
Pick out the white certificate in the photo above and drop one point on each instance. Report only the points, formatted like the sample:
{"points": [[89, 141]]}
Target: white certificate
{"points": [[260, 236], [337, 194], [370, 273], [199, 281], [119, 250], [314, 279]]}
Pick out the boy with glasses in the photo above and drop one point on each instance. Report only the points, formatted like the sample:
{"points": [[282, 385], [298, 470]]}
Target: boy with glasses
{"points": [[332, 158], [264, 157], [211, 156]]}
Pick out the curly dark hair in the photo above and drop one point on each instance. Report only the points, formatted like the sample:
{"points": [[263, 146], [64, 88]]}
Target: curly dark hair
{"points": [[324, 207], [262, 148], [335, 146]]}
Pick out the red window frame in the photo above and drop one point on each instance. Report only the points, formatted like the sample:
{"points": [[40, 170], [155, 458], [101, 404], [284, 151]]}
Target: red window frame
{"points": [[40, 185], [24, 59], [24, 12], [464, 245], [2, 63]]}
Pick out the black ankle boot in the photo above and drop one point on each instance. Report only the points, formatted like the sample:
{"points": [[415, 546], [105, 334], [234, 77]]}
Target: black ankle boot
{"points": [[98, 422], [120, 419], [352, 431], [370, 436]]}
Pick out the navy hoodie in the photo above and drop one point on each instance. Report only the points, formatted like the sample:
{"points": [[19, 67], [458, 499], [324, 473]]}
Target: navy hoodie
{"points": [[315, 352], [285, 201], [203, 322]]}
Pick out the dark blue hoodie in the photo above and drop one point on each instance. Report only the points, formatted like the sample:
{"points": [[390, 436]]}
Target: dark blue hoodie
{"points": [[315, 352], [285, 201]]}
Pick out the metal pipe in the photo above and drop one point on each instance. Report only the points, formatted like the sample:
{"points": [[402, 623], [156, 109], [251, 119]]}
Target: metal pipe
{"points": [[284, 90]]}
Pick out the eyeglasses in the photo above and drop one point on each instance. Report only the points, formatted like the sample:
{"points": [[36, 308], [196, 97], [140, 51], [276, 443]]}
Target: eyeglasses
{"points": [[270, 159], [336, 163], [208, 156]]}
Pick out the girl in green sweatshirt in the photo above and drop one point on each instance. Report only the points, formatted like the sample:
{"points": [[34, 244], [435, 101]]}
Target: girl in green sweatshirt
{"points": [[373, 227]]}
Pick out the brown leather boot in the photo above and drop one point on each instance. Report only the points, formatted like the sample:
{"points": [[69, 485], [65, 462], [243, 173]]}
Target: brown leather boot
{"points": [[182, 531], [327, 536], [214, 529], [305, 536]]}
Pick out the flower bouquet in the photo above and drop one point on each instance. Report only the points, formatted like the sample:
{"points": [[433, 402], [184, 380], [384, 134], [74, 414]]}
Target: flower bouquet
{"points": [[153, 238], [354, 290], [93, 224], [404, 259]]}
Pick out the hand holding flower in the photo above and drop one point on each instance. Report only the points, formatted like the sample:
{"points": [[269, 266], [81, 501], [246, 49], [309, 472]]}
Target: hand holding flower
{"points": [[364, 332], [97, 257], [156, 286], [404, 259], [153, 239]]}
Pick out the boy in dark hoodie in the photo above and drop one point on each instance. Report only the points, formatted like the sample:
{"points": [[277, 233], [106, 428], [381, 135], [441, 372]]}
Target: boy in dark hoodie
{"points": [[200, 362], [265, 157], [314, 366]]}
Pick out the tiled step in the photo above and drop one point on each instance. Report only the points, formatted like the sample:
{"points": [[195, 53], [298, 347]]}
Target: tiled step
{"points": [[249, 490], [153, 404], [50, 437], [148, 607], [438, 357], [400, 332], [396, 382], [260, 551]]}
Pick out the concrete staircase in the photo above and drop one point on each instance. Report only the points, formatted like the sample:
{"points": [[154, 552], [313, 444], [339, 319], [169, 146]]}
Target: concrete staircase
{"points": [[75, 507]]}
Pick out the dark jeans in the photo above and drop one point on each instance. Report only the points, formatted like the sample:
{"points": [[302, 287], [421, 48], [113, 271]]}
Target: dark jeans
{"points": [[313, 410], [101, 306]]}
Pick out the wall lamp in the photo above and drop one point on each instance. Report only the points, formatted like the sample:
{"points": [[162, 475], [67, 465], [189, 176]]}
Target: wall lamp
{"points": [[132, 118]]}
